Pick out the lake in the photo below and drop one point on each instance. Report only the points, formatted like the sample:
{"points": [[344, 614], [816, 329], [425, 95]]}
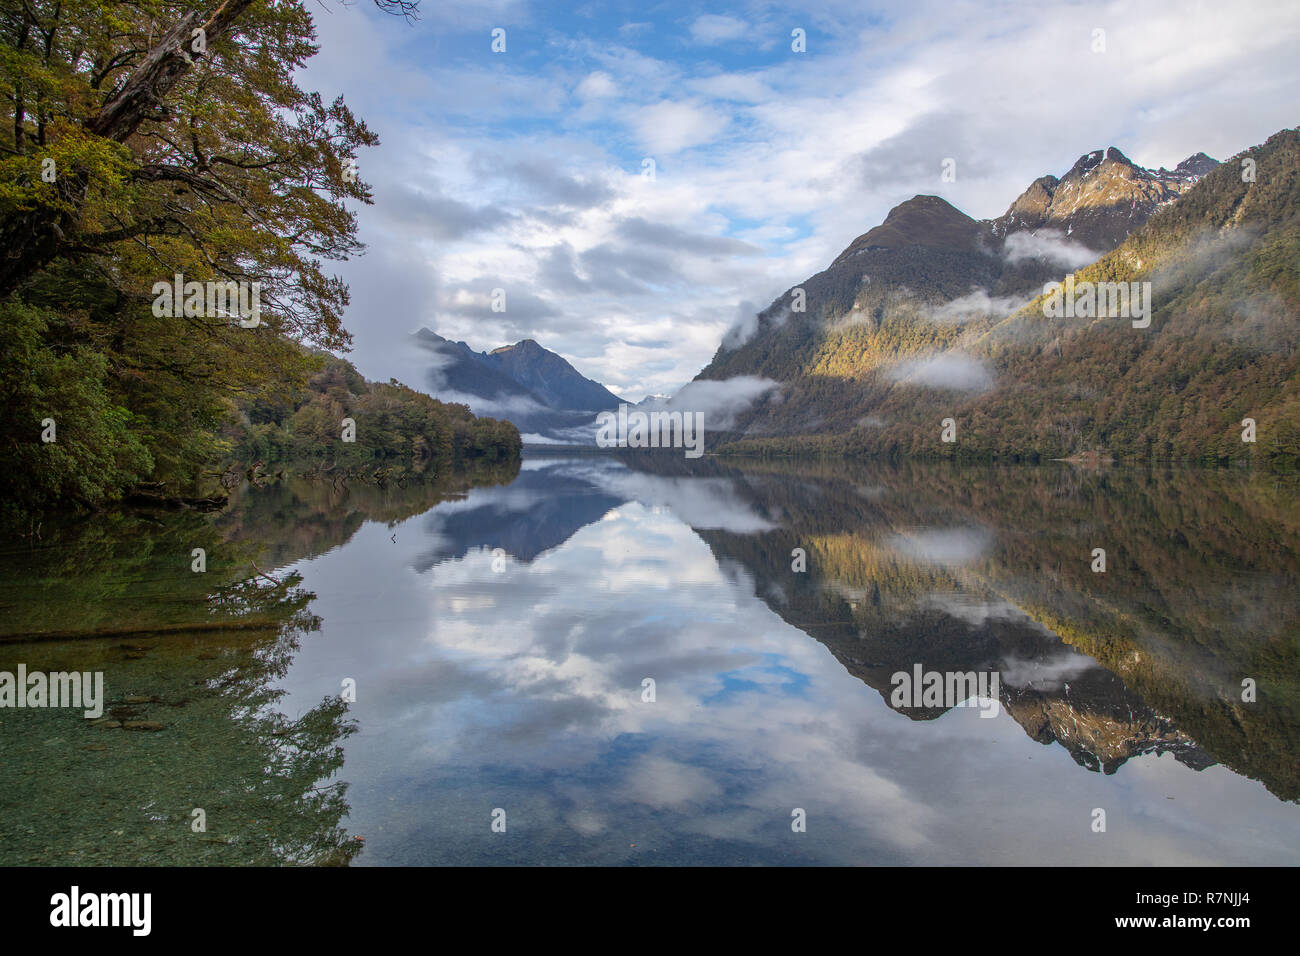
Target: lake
{"points": [[647, 660]]}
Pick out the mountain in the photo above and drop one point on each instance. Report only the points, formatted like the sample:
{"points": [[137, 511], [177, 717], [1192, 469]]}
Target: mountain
{"points": [[523, 383], [924, 318], [1102, 199], [551, 378], [924, 221], [929, 256], [456, 368]]}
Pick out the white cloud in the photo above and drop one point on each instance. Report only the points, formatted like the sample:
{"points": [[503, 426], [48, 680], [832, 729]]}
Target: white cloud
{"points": [[720, 401], [1049, 244], [771, 152], [977, 304], [670, 127], [714, 28], [597, 85], [947, 370]]}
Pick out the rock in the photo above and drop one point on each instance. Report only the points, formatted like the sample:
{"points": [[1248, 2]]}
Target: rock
{"points": [[143, 725]]}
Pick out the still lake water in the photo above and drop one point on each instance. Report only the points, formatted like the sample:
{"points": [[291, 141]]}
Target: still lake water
{"points": [[498, 636]]}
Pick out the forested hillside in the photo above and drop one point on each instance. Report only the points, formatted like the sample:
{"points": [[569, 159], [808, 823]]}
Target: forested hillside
{"points": [[884, 369], [390, 425]]}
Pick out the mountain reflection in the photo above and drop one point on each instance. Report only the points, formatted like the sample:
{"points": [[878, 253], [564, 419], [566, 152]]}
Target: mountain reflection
{"points": [[985, 569], [500, 629]]}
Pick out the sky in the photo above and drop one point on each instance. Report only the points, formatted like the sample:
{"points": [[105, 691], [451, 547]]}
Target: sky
{"points": [[637, 177]]}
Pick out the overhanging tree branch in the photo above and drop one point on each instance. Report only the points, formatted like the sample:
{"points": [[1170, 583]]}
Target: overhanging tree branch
{"points": [[150, 82]]}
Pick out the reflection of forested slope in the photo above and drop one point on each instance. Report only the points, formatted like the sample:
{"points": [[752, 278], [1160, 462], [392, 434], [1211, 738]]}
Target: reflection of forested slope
{"points": [[122, 572], [190, 661], [1199, 594], [881, 612], [300, 518], [130, 571]]}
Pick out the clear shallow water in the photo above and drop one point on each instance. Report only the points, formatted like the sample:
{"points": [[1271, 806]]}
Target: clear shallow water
{"points": [[499, 640]]}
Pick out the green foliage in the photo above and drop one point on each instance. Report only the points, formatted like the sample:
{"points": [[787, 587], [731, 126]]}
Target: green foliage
{"points": [[98, 447]]}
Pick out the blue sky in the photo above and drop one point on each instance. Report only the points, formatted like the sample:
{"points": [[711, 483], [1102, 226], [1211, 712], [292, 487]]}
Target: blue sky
{"points": [[523, 170]]}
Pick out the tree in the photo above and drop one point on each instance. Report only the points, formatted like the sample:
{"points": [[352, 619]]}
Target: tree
{"points": [[147, 139], [196, 148]]}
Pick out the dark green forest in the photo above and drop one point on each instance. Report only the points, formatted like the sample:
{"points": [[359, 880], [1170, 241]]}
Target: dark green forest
{"points": [[391, 425], [148, 140]]}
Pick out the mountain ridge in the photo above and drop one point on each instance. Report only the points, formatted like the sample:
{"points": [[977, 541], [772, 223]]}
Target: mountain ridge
{"points": [[865, 374], [524, 383], [929, 253]]}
